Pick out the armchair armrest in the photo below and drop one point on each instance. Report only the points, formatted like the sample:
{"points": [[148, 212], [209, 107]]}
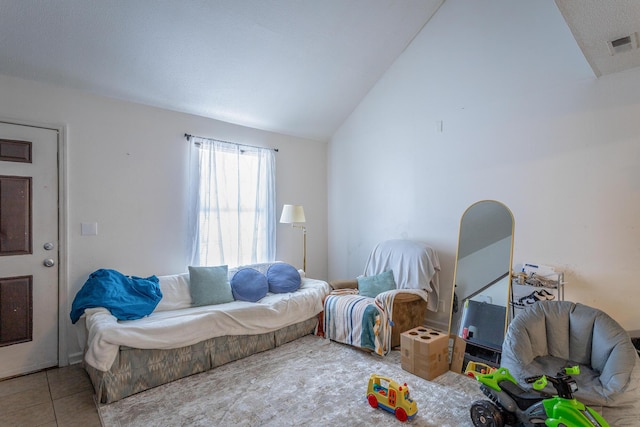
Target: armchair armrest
{"points": [[344, 284], [407, 297]]}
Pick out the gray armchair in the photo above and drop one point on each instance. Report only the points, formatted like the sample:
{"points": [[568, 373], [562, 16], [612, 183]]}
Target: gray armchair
{"points": [[552, 334]]}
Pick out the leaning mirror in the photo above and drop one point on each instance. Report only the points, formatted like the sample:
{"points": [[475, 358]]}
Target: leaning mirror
{"points": [[481, 280]]}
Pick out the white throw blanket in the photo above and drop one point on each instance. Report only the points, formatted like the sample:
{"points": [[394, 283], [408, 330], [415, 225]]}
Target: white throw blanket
{"points": [[385, 301], [415, 265], [184, 327]]}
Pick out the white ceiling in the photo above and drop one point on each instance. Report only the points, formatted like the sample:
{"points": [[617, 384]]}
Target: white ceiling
{"points": [[298, 67], [595, 23]]}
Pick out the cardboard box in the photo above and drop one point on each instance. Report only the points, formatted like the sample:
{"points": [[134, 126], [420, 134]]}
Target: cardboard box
{"points": [[459, 347], [425, 352]]}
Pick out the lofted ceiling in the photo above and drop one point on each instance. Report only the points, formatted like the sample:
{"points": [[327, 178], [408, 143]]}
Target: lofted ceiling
{"points": [[597, 23], [297, 67]]}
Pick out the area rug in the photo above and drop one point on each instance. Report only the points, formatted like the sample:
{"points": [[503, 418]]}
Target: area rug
{"points": [[310, 381]]}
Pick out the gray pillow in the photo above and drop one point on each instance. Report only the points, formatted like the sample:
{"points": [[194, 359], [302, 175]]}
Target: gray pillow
{"points": [[209, 285]]}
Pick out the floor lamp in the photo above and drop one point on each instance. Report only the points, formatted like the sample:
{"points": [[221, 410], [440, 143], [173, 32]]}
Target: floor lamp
{"points": [[293, 214]]}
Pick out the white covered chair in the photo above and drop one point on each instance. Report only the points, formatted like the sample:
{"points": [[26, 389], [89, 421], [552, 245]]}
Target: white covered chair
{"points": [[375, 323]]}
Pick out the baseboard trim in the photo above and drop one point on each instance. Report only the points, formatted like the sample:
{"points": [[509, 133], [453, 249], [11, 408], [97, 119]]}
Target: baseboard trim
{"points": [[435, 325], [75, 358]]}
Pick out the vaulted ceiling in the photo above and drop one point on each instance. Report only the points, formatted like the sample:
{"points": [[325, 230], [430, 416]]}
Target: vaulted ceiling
{"points": [[297, 67], [595, 24]]}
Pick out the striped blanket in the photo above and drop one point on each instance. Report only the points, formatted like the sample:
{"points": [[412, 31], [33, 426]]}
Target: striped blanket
{"points": [[363, 321]]}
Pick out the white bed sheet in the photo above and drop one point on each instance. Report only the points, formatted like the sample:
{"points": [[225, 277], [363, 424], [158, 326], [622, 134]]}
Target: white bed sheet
{"points": [[184, 327]]}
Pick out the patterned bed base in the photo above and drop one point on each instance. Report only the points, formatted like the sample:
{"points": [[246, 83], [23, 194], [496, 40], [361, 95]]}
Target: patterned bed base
{"points": [[136, 370]]}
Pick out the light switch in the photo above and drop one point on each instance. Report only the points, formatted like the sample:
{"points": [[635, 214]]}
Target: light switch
{"points": [[89, 228]]}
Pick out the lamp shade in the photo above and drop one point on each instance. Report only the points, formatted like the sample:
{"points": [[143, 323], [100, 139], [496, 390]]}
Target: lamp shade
{"points": [[292, 213]]}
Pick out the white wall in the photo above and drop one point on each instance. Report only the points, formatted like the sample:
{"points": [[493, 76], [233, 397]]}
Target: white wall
{"points": [[525, 122], [127, 172]]}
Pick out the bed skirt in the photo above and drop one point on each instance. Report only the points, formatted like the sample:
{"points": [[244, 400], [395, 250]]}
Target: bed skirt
{"points": [[136, 370]]}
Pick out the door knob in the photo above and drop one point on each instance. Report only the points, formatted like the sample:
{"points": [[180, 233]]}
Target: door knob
{"points": [[49, 262]]}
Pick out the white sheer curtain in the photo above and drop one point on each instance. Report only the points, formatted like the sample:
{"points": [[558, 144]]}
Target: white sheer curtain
{"points": [[232, 203]]}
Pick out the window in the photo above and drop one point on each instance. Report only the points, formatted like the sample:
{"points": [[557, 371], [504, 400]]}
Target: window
{"points": [[232, 203]]}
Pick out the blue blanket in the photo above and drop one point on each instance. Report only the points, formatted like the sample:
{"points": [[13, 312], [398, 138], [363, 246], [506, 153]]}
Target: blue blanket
{"points": [[370, 319], [126, 297]]}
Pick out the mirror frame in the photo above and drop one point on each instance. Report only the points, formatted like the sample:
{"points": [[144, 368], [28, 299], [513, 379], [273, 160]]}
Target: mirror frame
{"points": [[510, 266]]}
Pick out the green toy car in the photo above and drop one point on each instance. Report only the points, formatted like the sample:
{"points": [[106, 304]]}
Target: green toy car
{"points": [[512, 405]]}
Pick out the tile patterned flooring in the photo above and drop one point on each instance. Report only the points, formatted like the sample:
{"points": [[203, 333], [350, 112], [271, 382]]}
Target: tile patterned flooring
{"points": [[53, 397]]}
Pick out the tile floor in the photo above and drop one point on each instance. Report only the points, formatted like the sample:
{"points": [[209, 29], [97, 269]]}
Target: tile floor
{"points": [[50, 398]]}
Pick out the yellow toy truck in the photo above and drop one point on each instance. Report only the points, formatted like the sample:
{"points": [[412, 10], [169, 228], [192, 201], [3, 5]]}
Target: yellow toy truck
{"points": [[476, 368], [387, 394]]}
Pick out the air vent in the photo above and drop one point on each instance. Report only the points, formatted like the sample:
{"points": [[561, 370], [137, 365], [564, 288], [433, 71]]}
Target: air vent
{"points": [[623, 44]]}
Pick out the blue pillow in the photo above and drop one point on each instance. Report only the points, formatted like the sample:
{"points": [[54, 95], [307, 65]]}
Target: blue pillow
{"points": [[249, 284], [209, 285], [371, 286], [282, 278]]}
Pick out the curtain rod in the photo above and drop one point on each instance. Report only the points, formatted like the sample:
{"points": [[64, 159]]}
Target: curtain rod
{"points": [[188, 136]]}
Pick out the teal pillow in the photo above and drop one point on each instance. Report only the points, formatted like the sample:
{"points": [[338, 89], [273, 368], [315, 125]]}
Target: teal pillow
{"points": [[209, 285], [371, 286]]}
